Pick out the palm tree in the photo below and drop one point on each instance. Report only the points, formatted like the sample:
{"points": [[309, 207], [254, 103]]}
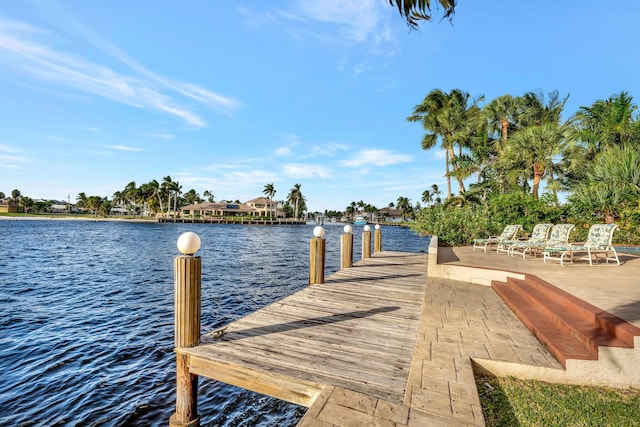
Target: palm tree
{"points": [[81, 200], [15, 196], [209, 195], [453, 118], [404, 205], [133, 196], [535, 147], [414, 11], [269, 191], [153, 191], [607, 122], [296, 198], [175, 188]]}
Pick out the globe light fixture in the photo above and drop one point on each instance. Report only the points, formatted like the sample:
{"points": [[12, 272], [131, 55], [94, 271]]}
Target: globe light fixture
{"points": [[377, 227], [347, 229], [367, 228], [188, 243], [318, 231]]}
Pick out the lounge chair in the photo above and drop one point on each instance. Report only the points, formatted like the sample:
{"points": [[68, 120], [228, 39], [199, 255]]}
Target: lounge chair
{"points": [[509, 233], [537, 240], [558, 237], [598, 242]]}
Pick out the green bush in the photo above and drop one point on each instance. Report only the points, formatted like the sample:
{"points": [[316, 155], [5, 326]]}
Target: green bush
{"points": [[454, 226]]}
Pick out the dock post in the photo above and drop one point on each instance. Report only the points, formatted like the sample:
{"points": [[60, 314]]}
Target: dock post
{"points": [[317, 249], [366, 242], [346, 248], [187, 286], [377, 239]]}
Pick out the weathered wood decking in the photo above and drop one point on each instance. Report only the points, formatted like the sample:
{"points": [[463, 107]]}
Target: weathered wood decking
{"points": [[356, 331]]}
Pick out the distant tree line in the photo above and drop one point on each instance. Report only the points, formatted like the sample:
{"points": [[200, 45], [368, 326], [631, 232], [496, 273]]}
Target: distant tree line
{"points": [[163, 197]]}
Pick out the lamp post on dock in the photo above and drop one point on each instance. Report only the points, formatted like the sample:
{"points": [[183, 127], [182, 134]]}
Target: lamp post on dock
{"points": [[346, 248], [317, 247], [187, 273], [377, 239], [366, 242]]}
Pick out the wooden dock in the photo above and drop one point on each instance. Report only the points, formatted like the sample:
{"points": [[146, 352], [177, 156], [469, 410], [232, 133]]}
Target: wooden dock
{"points": [[356, 331]]}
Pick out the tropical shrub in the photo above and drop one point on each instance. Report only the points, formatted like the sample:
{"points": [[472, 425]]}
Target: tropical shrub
{"points": [[454, 226]]}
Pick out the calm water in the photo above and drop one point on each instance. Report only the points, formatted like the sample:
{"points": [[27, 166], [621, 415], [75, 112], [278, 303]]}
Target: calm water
{"points": [[86, 316]]}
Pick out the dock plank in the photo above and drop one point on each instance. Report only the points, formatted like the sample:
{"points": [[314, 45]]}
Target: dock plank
{"points": [[356, 331]]}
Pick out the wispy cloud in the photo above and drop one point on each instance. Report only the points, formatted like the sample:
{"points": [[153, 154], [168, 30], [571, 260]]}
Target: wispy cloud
{"points": [[376, 158], [300, 170], [161, 135], [358, 19], [123, 148], [30, 51]]}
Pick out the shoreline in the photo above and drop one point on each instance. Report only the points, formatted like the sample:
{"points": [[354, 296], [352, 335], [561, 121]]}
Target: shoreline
{"points": [[71, 218]]}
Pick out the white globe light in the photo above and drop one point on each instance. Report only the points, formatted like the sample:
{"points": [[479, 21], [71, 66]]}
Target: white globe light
{"points": [[347, 229], [188, 243], [367, 228], [377, 227], [318, 231]]}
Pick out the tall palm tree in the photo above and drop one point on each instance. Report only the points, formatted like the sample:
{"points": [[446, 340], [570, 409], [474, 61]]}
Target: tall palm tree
{"points": [[132, 196], [414, 11], [451, 117], [153, 191], [404, 205], [165, 190], [269, 191], [296, 198]]}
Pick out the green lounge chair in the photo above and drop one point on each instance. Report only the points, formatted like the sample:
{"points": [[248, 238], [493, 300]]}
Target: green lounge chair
{"points": [[537, 240], [598, 242], [509, 233]]}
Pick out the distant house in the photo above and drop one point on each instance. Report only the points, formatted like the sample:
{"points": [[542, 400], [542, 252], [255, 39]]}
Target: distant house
{"points": [[118, 210], [390, 215], [58, 208], [265, 207], [8, 206], [219, 209]]}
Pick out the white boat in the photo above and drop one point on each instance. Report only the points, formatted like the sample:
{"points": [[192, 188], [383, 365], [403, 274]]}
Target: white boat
{"points": [[360, 220]]}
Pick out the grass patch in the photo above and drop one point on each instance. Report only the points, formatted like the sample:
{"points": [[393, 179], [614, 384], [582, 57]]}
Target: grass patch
{"points": [[514, 402]]}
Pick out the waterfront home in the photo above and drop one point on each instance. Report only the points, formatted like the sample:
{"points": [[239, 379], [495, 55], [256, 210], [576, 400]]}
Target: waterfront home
{"points": [[265, 207], [218, 209], [390, 215], [8, 206]]}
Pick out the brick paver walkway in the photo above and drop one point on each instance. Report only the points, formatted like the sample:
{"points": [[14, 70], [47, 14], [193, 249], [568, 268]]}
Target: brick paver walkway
{"points": [[459, 321]]}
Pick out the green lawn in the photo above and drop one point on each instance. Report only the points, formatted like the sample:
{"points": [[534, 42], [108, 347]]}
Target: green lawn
{"points": [[513, 402]]}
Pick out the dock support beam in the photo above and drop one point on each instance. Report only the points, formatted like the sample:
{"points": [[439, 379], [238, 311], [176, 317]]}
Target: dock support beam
{"points": [[366, 242], [187, 287], [377, 239], [346, 248], [317, 247]]}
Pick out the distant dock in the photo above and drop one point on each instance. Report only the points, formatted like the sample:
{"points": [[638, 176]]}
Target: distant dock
{"points": [[286, 221]]}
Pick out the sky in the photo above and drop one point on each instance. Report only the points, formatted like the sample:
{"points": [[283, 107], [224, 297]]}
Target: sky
{"points": [[231, 96]]}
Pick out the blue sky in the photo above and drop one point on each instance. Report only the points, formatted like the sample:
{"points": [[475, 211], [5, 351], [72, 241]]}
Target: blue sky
{"points": [[230, 96]]}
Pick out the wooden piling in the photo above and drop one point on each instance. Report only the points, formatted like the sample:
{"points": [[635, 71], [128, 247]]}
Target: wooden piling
{"points": [[377, 239], [187, 287], [346, 250], [366, 244], [316, 266]]}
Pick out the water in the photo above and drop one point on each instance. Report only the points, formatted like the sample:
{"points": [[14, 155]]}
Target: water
{"points": [[86, 316]]}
